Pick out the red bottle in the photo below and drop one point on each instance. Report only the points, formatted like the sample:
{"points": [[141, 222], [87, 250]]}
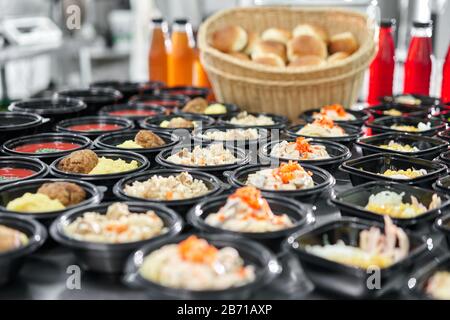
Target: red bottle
{"points": [[445, 91], [382, 67], [419, 60]]}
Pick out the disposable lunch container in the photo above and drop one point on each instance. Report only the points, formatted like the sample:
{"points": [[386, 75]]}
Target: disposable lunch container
{"points": [[198, 136], [300, 215], [111, 257], [17, 189], [280, 122], [217, 170], [338, 154], [379, 111], [55, 109], [13, 169], [421, 100], [442, 185], [445, 134], [104, 180], [361, 117], [131, 111], [442, 224], [419, 280], [347, 280], [94, 126], [214, 185], [12, 261], [230, 107], [109, 141], [444, 157], [371, 168], [352, 202], [57, 145], [168, 102], [266, 269], [187, 91], [94, 98], [383, 125], [323, 182], [129, 88], [352, 132], [429, 148], [154, 123], [14, 124]]}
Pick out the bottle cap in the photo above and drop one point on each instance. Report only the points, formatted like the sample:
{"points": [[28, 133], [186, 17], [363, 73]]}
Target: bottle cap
{"points": [[421, 24], [387, 23], [181, 21]]}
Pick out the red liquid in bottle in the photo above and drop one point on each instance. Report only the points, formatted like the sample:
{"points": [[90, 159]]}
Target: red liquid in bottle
{"points": [[418, 63], [445, 91], [382, 67]]}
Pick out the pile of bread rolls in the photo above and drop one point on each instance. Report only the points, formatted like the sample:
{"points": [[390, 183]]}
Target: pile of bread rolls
{"points": [[305, 45]]}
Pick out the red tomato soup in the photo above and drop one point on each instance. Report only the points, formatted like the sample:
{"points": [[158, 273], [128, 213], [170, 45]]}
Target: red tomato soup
{"points": [[46, 147], [132, 112], [14, 173], [95, 127], [164, 103]]}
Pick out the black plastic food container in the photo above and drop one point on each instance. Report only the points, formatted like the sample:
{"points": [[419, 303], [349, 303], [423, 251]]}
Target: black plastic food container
{"points": [[280, 122], [110, 141], [361, 117], [129, 88], [406, 111], [383, 125], [94, 98], [266, 269], [230, 107], [352, 202], [131, 111], [15, 124], [442, 185], [425, 101], [445, 134], [338, 154], [39, 168], [123, 125], [187, 91], [18, 189], [352, 132], [442, 224], [197, 136], [11, 261], [429, 148], [168, 102], [217, 170], [154, 123], [444, 157], [111, 257], [371, 168], [55, 109], [104, 180], [418, 282], [323, 182], [48, 157], [346, 280], [300, 216], [214, 185]]}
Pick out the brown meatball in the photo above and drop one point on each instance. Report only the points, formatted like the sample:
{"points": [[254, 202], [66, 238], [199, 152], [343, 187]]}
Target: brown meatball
{"points": [[81, 161], [147, 139], [66, 192], [197, 105], [10, 239]]}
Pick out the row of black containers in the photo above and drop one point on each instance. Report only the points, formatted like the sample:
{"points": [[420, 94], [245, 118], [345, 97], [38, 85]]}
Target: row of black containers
{"points": [[340, 153]]}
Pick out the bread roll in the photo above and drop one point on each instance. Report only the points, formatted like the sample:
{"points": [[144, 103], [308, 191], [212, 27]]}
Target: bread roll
{"points": [[270, 60], [306, 45], [263, 48], [343, 42], [240, 55], [311, 30], [338, 56], [307, 61], [229, 39], [252, 39], [277, 35]]}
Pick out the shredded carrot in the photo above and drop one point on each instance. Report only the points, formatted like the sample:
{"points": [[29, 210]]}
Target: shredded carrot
{"points": [[302, 145], [169, 195], [324, 122], [286, 171], [117, 227], [338, 108], [197, 250], [249, 195]]}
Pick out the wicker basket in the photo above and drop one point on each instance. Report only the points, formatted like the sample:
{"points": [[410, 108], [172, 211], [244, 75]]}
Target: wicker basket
{"points": [[287, 91]]}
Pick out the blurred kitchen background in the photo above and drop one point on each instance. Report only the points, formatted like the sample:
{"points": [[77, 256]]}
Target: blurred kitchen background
{"points": [[52, 44]]}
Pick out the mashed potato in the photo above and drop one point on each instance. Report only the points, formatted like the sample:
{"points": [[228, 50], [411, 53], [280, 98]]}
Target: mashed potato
{"points": [[108, 166], [129, 144], [34, 203]]}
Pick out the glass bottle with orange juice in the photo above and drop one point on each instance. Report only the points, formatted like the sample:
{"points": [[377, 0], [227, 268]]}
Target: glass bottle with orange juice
{"points": [[181, 56], [157, 57]]}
